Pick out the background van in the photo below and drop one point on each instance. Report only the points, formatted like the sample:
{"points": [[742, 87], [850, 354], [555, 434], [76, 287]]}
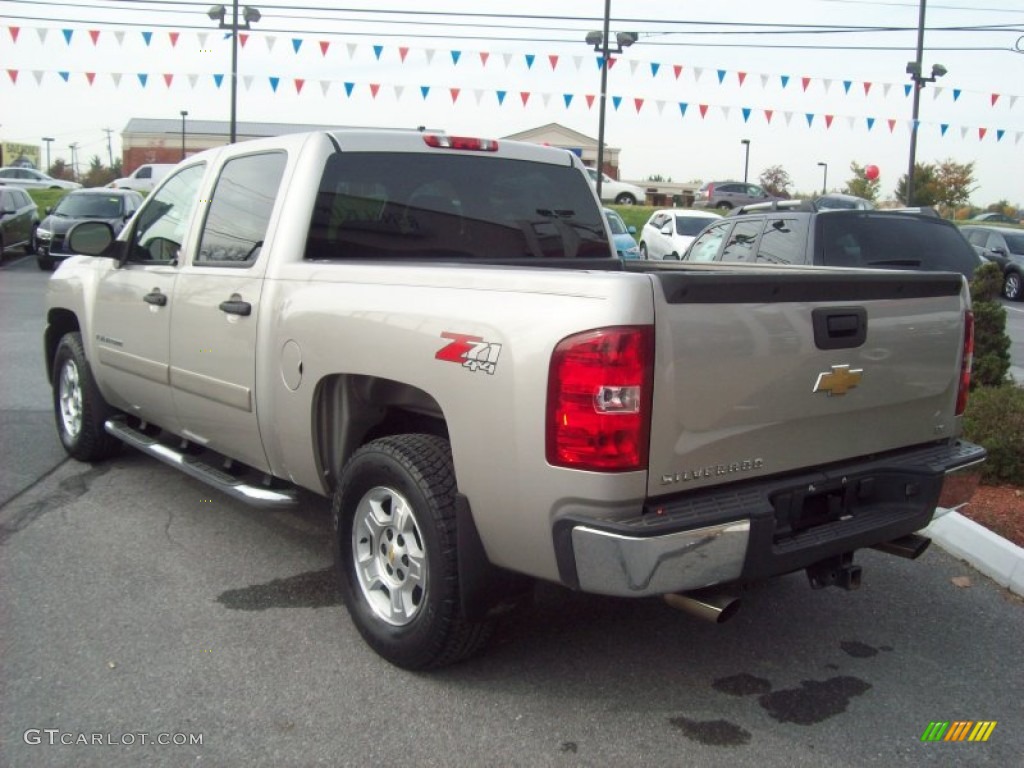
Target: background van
{"points": [[143, 178]]}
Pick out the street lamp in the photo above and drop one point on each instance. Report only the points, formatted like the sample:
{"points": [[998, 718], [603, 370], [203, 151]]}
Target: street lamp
{"points": [[74, 160], [746, 158], [824, 180], [600, 41], [48, 140], [184, 114], [914, 70], [249, 16]]}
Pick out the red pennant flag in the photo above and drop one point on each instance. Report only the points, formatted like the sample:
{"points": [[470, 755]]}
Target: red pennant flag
{"points": [[892, 125], [95, 35], [590, 101], [981, 133], [828, 121], [90, 76], [525, 96], [14, 33], [639, 103], [678, 69], [768, 114], [455, 94], [299, 82], [13, 74], [867, 88], [168, 79], [403, 51], [243, 39], [995, 98], [174, 38], [741, 76], [374, 87], [806, 81], [611, 62], [324, 45], [703, 110], [483, 58], [553, 58]]}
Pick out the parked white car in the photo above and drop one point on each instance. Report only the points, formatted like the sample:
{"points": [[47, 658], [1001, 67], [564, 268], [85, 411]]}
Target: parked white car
{"points": [[143, 178], [618, 192], [668, 232], [30, 178]]}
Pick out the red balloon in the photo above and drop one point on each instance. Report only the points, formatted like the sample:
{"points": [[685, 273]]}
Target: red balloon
{"points": [[871, 172]]}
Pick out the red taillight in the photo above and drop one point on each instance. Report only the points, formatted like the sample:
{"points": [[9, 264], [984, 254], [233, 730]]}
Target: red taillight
{"points": [[965, 364], [440, 141], [599, 399]]}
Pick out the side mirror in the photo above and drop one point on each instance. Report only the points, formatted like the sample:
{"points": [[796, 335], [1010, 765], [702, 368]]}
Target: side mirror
{"points": [[92, 238], [631, 229], [49, 210]]}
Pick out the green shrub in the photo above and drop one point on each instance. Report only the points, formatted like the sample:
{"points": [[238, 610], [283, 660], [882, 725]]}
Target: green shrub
{"points": [[991, 343], [995, 420]]}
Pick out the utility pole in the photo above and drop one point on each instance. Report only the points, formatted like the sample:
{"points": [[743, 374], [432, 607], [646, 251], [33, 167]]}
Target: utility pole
{"points": [[49, 140], [74, 160], [110, 151]]}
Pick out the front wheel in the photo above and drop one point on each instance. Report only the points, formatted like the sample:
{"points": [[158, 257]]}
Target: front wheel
{"points": [[78, 406], [1012, 286], [625, 198], [643, 251], [395, 553]]}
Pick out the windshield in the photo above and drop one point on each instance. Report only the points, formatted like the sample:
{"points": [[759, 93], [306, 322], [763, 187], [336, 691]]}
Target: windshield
{"points": [[692, 225], [615, 224], [89, 206], [452, 206]]}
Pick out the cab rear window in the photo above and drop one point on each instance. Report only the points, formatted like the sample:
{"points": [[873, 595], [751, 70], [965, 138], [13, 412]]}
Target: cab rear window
{"points": [[423, 206]]}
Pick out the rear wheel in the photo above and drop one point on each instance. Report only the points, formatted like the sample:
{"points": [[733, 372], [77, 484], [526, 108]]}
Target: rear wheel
{"points": [[625, 198], [78, 406], [1013, 286], [723, 206], [32, 245], [395, 552], [643, 250]]}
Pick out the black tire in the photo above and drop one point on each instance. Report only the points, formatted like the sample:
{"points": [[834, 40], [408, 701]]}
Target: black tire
{"points": [[395, 553], [1, 247], [33, 245], [1013, 286], [45, 263], [724, 206], [643, 250], [625, 198], [78, 406]]}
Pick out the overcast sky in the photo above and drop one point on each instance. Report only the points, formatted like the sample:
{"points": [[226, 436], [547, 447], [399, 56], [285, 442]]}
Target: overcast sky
{"points": [[778, 74]]}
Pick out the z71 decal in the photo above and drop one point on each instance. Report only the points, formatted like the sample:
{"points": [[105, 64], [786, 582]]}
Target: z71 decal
{"points": [[470, 352]]}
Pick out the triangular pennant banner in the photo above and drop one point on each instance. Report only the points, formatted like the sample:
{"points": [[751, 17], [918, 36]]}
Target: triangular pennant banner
{"points": [[892, 125], [590, 100], [721, 76], [67, 35], [351, 48], [374, 89], [525, 96], [764, 80], [243, 38], [655, 66], [995, 98], [871, 123], [633, 66], [424, 90], [828, 121], [981, 133], [348, 88], [806, 82], [639, 103], [174, 38], [501, 97], [943, 128], [13, 74], [553, 60], [325, 86], [867, 88], [168, 79], [956, 94], [616, 100], [768, 115], [677, 69], [324, 45], [746, 113], [119, 36], [810, 119], [274, 83], [682, 108], [455, 94], [218, 80], [377, 51], [703, 110], [999, 134], [299, 82], [296, 44], [567, 98], [403, 51], [529, 60], [115, 76], [456, 55], [906, 89], [14, 33], [95, 35], [399, 90], [484, 56], [846, 85], [741, 76], [192, 80], [784, 79], [143, 77]]}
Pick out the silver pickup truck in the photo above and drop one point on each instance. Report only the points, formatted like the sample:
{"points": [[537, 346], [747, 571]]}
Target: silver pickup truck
{"points": [[434, 331]]}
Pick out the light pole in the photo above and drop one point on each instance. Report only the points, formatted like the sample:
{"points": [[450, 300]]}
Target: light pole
{"points": [[74, 161], [184, 114], [600, 41], [914, 70], [249, 16], [824, 180], [746, 158], [49, 140]]}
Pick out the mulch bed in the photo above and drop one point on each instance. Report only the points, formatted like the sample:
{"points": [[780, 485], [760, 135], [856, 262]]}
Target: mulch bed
{"points": [[1000, 508]]}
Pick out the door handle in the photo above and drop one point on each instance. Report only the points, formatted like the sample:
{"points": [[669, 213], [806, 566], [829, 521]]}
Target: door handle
{"points": [[155, 297], [235, 306]]}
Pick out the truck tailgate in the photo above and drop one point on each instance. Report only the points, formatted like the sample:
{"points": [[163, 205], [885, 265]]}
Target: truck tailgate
{"points": [[762, 373]]}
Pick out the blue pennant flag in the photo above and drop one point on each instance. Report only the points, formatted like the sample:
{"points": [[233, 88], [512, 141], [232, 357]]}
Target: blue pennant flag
{"points": [[568, 100], [682, 108], [147, 36], [501, 97], [529, 60], [296, 43], [721, 76], [348, 88], [784, 79], [746, 114], [616, 100], [455, 56], [655, 66], [218, 79], [274, 82], [424, 90], [377, 51]]}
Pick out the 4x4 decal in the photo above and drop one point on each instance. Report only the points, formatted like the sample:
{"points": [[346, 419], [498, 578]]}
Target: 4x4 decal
{"points": [[470, 352]]}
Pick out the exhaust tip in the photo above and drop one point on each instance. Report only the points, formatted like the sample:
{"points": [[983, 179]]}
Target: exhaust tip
{"points": [[713, 607]]}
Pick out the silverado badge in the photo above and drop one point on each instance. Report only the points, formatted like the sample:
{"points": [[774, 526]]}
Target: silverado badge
{"points": [[839, 380]]}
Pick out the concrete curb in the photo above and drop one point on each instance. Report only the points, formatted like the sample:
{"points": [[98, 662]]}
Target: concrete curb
{"points": [[994, 556]]}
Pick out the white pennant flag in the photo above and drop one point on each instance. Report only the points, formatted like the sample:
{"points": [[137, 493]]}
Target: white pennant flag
{"points": [[192, 81], [963, 131], [764, 80], [1013, 100], [788, 116], [325, 85], [202, 37], [725, 112], [119, 36], [271, 42], [38, 75], [247, 82], [508, 59], [697, 72], [1019, 135], [399, 90], [885, 89], [660, 105], [850, 122], [633, 64], [936, 92], [478, 94], [351, 50], [42, 34], [577, 62], [430, 54], [827, 83]]}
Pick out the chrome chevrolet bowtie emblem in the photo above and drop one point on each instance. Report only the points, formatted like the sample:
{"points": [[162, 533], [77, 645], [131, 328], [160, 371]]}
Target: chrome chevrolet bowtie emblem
{"points": [[839, 380]]}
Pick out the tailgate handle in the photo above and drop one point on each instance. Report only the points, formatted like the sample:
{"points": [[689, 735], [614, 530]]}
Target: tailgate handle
{"points": [[840, 327]]}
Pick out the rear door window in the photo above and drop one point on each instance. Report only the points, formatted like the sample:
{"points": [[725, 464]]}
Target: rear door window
{"points": [[706, 247], [740, 245], [784, 240]]}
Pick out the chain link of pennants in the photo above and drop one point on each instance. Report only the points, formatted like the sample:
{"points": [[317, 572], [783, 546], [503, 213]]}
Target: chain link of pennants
{"points": [[503, 97], [553, 60]]}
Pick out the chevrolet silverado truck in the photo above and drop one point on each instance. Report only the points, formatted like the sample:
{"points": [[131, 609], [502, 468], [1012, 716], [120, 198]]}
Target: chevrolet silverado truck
{"points": [[434, 332]]}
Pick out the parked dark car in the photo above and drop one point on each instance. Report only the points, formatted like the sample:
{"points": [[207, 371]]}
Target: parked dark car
{"points": [[802, 234], [19, 218], [1005, 246], [730, 194], [842, 202], [994, 218], [114, 206]]}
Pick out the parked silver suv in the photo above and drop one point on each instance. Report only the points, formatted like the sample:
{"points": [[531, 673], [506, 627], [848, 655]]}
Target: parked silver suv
{"points": [[729, 194]]}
